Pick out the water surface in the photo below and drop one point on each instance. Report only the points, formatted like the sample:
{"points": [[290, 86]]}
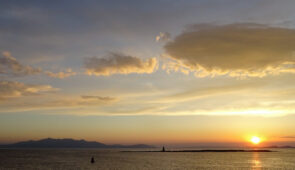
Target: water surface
{"points": [[115, 159]]}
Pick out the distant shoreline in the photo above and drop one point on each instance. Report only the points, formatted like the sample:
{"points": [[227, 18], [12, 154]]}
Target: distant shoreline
{"points": [[208, 150]]}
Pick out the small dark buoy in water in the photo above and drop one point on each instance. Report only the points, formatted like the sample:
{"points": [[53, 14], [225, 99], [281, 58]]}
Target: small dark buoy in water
{"points": [[92, 160], [163, 149]]}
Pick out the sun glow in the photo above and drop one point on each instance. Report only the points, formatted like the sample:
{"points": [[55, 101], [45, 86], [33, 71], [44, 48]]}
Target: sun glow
{"points": [[255, 140]]}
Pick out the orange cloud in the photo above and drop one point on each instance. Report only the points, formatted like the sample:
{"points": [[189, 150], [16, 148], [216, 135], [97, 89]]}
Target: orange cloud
{"points": [[61, 74], [119, 64]]}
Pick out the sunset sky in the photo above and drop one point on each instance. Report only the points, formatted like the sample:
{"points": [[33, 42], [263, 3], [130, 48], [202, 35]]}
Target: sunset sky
{"points": [[154, 71]]}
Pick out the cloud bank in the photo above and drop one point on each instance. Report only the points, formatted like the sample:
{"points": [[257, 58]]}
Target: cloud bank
{"points": [[235, 50], [116, 63]]}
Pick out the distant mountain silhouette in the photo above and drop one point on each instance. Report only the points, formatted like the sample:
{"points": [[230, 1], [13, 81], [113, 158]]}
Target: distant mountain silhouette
{"points": [[68, 143]]}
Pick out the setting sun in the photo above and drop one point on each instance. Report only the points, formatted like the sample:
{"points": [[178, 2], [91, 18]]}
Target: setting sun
{"points": [[255, 140]]}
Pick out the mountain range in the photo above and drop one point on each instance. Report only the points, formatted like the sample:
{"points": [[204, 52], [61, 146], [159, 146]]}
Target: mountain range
{"points": [[68, 143]]}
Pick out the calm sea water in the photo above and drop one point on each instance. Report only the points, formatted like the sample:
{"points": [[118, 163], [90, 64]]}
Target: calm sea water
{"points": [[114, 159]]}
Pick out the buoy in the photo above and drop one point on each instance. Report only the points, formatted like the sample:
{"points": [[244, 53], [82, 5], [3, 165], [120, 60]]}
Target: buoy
{"points": [[92, 160]]}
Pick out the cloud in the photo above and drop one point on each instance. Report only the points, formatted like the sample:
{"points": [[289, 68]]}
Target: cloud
{"points": [[58, 102], [119, 64], [209, 91], [106, 99], [61, 74], [29, 97], [9, 65], [12, 89], [74, 102], [236, 50], [163, 37]]}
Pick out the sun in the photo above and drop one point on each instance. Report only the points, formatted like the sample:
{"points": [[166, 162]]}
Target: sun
{"points": [[255, 140]]}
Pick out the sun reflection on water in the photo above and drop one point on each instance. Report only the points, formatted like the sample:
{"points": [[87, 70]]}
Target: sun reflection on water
{"points": [[256, 163]]}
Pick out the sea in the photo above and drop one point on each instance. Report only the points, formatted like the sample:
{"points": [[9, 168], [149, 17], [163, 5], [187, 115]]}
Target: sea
{"points": [[79, 159]]}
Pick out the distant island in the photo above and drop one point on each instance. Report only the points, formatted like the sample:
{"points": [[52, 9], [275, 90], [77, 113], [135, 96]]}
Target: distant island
{"points": [[68, 143]]}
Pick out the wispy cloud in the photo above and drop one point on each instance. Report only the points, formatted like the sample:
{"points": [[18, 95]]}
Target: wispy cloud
{"points": [[209, 91], [107, 98], [13, 89], [61, 74], [116, 63], [10, 66], [29, 101], [235, 50]]}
